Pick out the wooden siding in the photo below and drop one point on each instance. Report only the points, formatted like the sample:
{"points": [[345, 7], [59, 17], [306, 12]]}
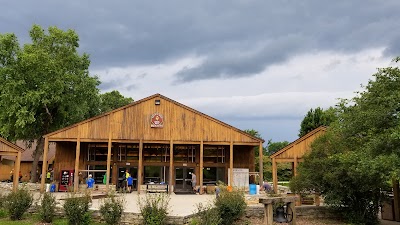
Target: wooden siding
{"points": [[298, 148], [65, 158], [132, 122]]}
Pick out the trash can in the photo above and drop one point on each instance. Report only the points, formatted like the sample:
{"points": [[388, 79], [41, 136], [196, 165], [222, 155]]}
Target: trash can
{"points": [[253, 189]]}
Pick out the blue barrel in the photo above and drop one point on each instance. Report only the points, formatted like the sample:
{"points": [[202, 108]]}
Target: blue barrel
{"points": [[253, 189]]}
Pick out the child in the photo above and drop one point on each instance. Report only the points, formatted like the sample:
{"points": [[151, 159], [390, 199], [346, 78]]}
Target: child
{"points": [[90, 182], [129, 181]]}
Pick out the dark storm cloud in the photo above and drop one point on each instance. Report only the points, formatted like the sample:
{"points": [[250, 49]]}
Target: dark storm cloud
{"points": [[235, 38]]}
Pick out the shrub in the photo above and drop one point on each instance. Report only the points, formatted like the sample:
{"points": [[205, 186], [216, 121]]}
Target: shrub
{"points": [[47, 208], [206, 215], [17, 203], [112, 208], [154, 208], [230, 205], [77, 210]]}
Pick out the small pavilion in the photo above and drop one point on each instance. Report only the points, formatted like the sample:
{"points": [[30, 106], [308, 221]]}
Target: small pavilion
{"points": [[9, 149], [294, 153]]}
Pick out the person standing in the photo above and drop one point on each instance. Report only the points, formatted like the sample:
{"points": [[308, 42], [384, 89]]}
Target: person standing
{"points": [[90, 182], [194, 182], [129, 181]]}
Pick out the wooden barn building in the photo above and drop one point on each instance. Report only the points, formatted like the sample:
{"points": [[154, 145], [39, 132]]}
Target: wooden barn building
{"points": [[158, 140]]}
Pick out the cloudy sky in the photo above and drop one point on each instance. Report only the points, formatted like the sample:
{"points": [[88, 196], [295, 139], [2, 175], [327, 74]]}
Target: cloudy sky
{"points": [[253, 64]]}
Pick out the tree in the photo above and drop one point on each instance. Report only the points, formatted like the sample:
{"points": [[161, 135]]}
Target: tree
{"points": [[44, 85], [112, 100], [275, 146], [316, 118], [352, 163]]}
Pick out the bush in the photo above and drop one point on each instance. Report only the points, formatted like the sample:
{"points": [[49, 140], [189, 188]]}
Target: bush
{"points": [[154, 208], [47, 208], [17, 203], [230, 205], [206, 215], [112, 208], [77, 210]]}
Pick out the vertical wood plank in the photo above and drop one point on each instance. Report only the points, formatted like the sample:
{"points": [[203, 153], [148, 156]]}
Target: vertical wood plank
{"points": [[231, 163], [201, 166], [260, 161], [140, 166], [293, 208], [109, 152], [295, 166], [17, 167], [77, 155], [274, 175], [44, 165], [171, 165], [268, 214]]}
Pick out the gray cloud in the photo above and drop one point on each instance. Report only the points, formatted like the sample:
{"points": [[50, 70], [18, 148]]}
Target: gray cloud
{"points": [[236, 38]]}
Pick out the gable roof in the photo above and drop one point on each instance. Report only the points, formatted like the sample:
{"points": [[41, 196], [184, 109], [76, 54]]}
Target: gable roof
{"points": [[6, 146], [27, 152], [298, 141], [147, 99]]}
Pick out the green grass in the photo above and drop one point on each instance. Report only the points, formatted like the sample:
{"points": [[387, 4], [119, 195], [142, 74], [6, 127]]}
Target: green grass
{"points": [[32, 220]]}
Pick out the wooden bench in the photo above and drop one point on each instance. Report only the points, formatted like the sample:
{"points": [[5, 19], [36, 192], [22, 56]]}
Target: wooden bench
{"points": [[157, 188]]}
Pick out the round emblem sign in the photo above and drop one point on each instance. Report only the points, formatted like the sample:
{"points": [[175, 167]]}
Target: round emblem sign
{"points": [[157, 120]]}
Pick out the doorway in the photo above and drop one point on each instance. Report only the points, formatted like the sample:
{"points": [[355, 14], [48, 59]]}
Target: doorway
{"points": [[121, 176], [183, 178]]}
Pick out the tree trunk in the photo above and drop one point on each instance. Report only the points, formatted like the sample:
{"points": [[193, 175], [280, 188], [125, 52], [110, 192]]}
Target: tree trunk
{"points": [[36, 156]]}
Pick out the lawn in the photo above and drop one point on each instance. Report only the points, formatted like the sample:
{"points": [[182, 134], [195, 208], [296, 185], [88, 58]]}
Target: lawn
{"points": [[33, 219]]}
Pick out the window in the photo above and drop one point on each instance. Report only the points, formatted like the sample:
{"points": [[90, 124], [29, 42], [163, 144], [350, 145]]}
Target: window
{"points": [[214, 154], [98, 152], [132, 152], [211, 175], [156, 153], [185, 153]]}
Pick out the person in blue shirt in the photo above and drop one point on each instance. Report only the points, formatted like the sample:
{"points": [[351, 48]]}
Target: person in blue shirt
{"points": [[129, 181], [90, 182]]}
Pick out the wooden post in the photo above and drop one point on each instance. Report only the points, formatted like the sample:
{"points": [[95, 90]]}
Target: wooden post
{"points": [[77, 155], [108, 163], [293, 208], [201, 166], [396, 199], [268, 214], [171, 166], [17, 167], [140, 169], [275, 175], [44, 166], [295, 166], [231, 163], [260, 162]]}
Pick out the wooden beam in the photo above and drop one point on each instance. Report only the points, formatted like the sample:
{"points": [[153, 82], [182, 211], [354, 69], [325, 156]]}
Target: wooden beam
{"points": [[9, 153], [108, 162], [140, 166], [260, 162], [109, 146], [274, 175], [231, 163], [247, 143], [17, 167], [77, 155], [44, 165], [216, 142], [201, 166], [295, 166], [171, 166]]}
